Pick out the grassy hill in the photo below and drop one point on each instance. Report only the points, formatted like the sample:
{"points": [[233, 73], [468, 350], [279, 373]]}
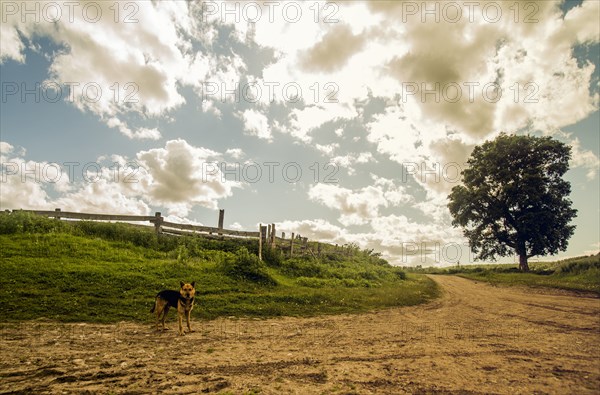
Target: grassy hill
{"points": [[106, 272], [576, 274]]}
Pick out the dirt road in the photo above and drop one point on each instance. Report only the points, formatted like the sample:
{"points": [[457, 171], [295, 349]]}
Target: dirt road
{"points": [[476, 339]]}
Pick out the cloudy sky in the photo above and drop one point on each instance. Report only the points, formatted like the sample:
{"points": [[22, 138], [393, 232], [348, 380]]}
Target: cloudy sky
{"points": [[344, 121]]}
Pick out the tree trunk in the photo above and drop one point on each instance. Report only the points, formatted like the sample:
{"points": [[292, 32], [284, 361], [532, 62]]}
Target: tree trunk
{"points": [[523, 266]]}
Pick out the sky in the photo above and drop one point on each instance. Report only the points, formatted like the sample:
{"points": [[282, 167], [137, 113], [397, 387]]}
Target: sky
{"points": [[343, 121]]}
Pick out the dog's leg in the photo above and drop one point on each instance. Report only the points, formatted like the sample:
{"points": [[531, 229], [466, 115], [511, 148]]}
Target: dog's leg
{"points": [[180, 316], [165, 311], [158, 310], [180, 312], [187, 317]]}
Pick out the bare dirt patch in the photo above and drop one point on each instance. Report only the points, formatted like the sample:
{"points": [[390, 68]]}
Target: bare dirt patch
{"points": [[476, 339]]}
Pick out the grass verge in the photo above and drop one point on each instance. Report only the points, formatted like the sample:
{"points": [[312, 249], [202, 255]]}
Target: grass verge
{"points": [[586, 282]]}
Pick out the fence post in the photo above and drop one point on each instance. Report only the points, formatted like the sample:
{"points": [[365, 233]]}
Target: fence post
{"points": [[57, 215], [292, 245], [221, 217], [273, 236], [260, 240], [157, 222], [264, 234]]}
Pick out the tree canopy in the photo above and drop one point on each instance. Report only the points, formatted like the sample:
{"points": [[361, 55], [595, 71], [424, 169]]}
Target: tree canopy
{"points": [[513, 198]]}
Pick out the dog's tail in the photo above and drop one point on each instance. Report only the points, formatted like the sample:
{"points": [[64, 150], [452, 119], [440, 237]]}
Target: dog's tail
{"points": [[154, 305]]}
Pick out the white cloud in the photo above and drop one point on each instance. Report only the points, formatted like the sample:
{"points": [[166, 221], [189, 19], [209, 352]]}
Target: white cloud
{"points": [[24, 184], [400, 240], [393, 194], [584, 158], [355, 207], [235, 226], [318, 229], [103, 196], [333, 51], [6, 148], [541, 83], [11, 46], [181, 220], [139, 134], [581, 24], [327, 149], [348, 161], [118, 68], [19, 189], [256, 124], [235, 153], [208, 106], [178, 177], [361, 206], [406, 242], [155, 57]]}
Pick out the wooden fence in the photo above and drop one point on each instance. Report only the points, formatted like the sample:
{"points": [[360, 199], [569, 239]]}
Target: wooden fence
{"points": [[266, 234]]}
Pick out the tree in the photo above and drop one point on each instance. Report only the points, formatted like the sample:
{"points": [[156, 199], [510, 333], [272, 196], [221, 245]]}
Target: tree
{"points": [[513, 198]]}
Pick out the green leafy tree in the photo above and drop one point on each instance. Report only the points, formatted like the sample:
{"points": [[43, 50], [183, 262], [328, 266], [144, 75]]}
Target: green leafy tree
{"points": [[514, 199]]}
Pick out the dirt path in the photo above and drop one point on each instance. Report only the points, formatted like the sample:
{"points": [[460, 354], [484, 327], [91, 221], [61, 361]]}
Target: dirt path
{"points": [[476, 339]]}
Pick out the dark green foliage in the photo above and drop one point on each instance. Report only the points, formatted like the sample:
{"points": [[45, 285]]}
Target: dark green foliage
{"points": [[302, 267], [246, 266], [352, 271], [135, 235], [513, 198], [580, 265], [401, 274], [24, 222], [273, 257]]}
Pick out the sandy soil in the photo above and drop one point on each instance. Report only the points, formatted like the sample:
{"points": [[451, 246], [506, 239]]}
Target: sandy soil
{"points": [[476, 339]]}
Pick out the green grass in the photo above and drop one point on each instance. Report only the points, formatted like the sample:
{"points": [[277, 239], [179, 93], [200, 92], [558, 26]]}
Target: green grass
{"points": [[88, 272], [577, 274], [589, 282]]}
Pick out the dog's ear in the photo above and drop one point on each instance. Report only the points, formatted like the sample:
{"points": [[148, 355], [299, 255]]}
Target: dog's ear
{"points": [[181, 283], [194, 284]]}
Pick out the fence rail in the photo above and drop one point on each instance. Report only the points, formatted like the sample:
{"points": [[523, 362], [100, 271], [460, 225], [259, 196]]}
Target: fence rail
{"points": [[208, 229], [266, 234], [93, 217]]}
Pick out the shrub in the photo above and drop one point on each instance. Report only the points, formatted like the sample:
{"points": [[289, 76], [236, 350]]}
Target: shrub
{"points": [[273, 257], [24, 222], [182, 254], [313, 282], [401, 274], [117, 232], [579, 265], [246, 266], [303, 267], [368, 275]]}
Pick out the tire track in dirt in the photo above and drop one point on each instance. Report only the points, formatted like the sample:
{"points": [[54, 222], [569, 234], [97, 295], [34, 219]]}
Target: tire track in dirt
{"points": [[475, 339]]}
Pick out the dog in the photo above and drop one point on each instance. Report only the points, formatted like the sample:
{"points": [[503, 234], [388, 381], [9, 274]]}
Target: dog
{"points": [[183, 300]]}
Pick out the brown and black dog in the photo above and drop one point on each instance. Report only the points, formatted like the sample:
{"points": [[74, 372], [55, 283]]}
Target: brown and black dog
{"points": [[183, 300]]}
